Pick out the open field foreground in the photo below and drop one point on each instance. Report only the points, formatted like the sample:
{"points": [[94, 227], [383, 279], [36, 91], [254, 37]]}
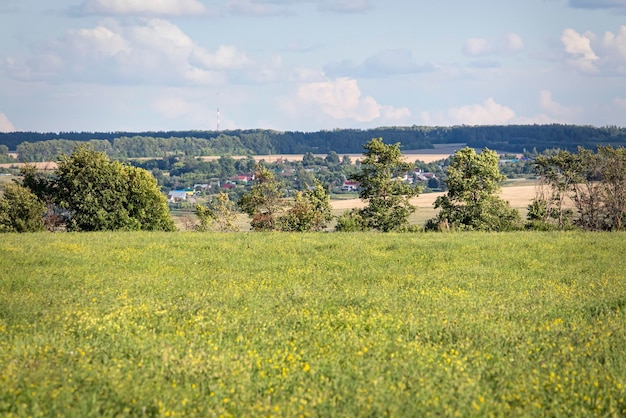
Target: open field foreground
{"points": [[467, 324]]}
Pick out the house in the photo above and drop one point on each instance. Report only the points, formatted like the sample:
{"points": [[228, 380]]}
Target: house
{"points": [[424, 176], [201, 187], [177, 196], [242, 178], [350, 186]]}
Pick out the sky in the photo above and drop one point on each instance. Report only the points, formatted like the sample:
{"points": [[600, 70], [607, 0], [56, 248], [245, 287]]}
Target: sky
{"points": [[309, 65]]}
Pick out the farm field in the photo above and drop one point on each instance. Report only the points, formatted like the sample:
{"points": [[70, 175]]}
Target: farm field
{"points": [[440, 152], [425, 157], [364, 324], [518, 193]]}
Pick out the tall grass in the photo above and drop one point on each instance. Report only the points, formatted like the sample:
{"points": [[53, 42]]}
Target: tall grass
{"points": [[110, 324]]}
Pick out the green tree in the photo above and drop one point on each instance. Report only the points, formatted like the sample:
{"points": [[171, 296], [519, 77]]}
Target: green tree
{"points": [[310, 211], [20, 210], [471, 201], [350, 221], [332, 158], [595, 183], [387, 195], [557, 173], [100, 194], [219, 214], [614, 184], [264, 202]]}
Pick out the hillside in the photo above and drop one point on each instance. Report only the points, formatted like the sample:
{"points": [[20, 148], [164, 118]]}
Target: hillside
{"points": [[511, 138]]}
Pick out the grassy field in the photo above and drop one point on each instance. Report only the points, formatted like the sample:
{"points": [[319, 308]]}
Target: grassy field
{"points": [[156, 324]]}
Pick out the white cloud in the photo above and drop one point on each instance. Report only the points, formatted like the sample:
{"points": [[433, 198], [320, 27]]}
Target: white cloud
{"points": [[154, 51], [226, 57], [477, 47], [5, 124], [487, 113], [556, 110], [582, 56], [341, 99], [142, 7], [591, 54], [510, 43]]}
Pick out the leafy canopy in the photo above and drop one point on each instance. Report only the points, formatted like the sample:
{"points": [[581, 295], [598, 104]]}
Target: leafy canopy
{"points": [[471, 201], [20, 210], [383, 188], [97, 194], [264, 202]]}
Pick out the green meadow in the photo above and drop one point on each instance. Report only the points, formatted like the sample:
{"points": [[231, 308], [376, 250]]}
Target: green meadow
{"points": [[277, 324]]}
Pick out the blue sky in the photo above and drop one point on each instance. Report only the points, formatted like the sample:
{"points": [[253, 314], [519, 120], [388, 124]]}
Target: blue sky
{"points": [[308, 65]]}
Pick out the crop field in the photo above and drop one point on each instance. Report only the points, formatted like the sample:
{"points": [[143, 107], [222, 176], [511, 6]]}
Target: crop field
{"points": [[321, 324]]}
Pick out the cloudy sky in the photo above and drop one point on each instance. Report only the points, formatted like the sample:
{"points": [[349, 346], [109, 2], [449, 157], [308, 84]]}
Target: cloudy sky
{"points": [[307, 65]]}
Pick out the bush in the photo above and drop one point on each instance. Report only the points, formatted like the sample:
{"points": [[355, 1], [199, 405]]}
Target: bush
{"points": [[21, 210]]}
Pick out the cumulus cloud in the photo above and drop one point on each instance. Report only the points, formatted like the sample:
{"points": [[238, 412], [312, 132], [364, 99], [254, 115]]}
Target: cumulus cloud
{"points": [[556, 110], [5, 124], [153, 51], [141, 7], [592, 54], [487, 113], [385, 63], [479, 47], [342, 99]]}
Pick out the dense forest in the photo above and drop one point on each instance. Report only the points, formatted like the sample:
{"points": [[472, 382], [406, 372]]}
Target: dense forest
{"points": [[34, 146]]}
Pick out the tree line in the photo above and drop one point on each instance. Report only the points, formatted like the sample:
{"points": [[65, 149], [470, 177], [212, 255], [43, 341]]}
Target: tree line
{"points": [[34, 146], [89, 192]]}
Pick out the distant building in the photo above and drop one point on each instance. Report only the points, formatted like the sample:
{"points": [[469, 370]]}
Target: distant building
{"points": [[177, 196], [350, 186]]}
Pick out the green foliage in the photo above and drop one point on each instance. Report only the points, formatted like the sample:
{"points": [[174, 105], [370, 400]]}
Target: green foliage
{"points": [[310, 211], [594, 182], [514, 138], [41, 183], [613, 179], [4, 155], [264, 202], [319, 325], [471, 202], [218, 215], [387, 196], [20, 210], [350, 221], [100, 194], [559, 172]]}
